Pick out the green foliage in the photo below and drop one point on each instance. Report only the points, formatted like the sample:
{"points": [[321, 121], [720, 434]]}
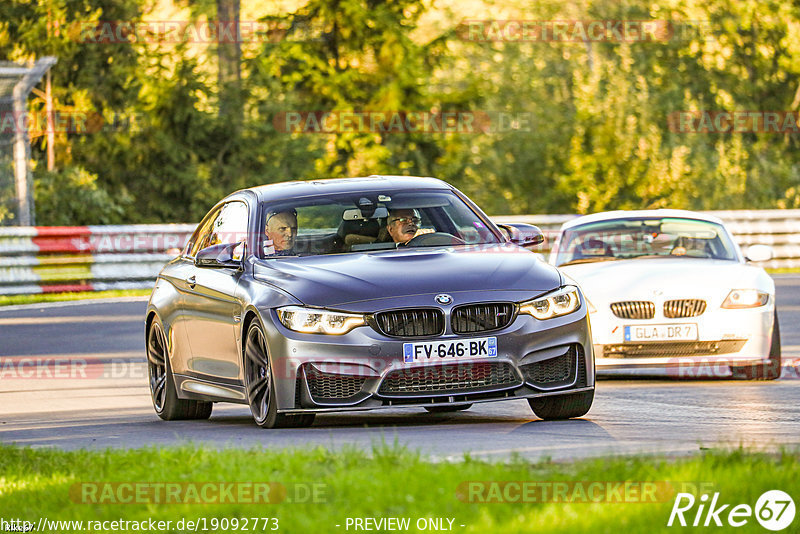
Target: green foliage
{"points": [[72, 196], [591, 129]]}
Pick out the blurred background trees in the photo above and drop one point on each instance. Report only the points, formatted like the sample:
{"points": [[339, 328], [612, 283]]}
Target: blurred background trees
{"points": [[183, 123]]}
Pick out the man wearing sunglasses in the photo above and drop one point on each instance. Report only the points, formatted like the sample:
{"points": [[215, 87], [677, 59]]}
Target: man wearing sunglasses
{"points": [[403, 224]]}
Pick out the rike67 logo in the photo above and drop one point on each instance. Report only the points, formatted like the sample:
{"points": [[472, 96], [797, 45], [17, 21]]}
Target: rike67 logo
{"points": [[774, 510]]}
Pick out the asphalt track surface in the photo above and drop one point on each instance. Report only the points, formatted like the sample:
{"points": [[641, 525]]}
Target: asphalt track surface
{"points": [[111, 406]]}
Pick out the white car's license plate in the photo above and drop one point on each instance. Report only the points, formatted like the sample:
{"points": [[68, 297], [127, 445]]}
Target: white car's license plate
{"points": [[661, 332], [458, 349]]}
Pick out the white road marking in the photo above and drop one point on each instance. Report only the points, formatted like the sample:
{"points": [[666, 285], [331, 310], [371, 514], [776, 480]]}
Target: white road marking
{"points": [[61, 304], [21, 321]]}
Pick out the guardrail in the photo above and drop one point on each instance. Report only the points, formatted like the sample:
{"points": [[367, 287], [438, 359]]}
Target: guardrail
{"points": [[56, 259], [94, 258]]}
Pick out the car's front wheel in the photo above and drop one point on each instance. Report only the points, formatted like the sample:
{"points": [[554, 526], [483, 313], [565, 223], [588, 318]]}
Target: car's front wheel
{"points": [[260, 384], [562, 406], [162, 384]]}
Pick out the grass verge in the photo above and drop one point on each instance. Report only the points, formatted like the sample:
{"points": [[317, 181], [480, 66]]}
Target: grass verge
{"points": [[323, 488], [13, 300]]}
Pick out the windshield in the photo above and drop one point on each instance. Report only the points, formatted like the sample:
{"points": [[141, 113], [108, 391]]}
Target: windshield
{"points": [[369, 221], [644, 238]]}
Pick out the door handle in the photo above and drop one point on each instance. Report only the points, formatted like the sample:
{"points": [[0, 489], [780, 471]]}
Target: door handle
{"points": [[192, 281]]}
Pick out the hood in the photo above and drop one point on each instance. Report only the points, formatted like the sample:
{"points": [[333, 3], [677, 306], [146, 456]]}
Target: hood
{"points": [[339, 279], [640, 279]]}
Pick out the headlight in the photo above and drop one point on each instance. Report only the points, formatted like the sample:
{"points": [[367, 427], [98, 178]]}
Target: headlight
{"points": [[314, 321], [561, 302], [745, 298]]}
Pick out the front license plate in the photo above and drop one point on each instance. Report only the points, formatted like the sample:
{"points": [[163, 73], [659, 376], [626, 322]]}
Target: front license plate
{"points": [[458, 349], [661, 332]]}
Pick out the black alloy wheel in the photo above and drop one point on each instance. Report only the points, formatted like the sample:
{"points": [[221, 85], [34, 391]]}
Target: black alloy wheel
{"points": [[260, 385], [162, 384]]}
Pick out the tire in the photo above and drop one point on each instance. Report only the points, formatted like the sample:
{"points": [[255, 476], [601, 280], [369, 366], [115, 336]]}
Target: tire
{"points": [[260, 384], [163, 392], [448, 409], [764, 371], [562, 406]]}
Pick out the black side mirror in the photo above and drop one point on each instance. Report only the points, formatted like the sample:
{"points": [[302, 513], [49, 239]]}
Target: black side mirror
{"points": [[522, 234], [219, 256]]}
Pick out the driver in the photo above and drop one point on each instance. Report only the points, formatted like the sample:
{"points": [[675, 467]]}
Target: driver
{"points": [[281, 232], [403, 225]]}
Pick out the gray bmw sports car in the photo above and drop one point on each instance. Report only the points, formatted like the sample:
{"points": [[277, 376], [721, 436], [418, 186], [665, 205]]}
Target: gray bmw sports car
{"points": [[363, 293]]}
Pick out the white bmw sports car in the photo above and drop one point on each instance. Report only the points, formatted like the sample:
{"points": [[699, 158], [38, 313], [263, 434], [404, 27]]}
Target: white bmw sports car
{"points": [[671, 294]]}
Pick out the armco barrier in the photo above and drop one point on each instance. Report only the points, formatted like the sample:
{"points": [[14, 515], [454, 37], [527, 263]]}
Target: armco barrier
{"points": [[85, 258], [93, 258]]}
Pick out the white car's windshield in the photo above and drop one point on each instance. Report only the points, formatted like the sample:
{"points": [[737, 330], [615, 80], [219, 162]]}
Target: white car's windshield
{"points": [[369, 221], [644, 238]]}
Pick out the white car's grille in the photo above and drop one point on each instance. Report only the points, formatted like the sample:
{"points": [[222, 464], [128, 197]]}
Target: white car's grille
{"points": [[634, 309], [672, 349], [675, 309]]}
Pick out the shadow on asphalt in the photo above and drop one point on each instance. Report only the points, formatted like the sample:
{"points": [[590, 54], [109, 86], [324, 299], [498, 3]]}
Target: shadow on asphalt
{"points": [[586, 428]]}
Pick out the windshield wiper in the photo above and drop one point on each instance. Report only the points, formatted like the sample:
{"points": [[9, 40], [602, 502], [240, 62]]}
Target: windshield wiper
{"points": [[637, 256], [590, 260]]}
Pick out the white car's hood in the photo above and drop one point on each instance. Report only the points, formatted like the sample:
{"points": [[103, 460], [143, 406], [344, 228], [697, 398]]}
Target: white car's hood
{"points": [[640, 279]]}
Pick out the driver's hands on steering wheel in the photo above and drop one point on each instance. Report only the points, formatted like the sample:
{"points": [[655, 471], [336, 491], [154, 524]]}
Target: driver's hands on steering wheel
{"points": [[434, 239]]}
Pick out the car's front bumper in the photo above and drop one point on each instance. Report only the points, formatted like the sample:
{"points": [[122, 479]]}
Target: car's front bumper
{"points": [[363, 360], [726, 339]]}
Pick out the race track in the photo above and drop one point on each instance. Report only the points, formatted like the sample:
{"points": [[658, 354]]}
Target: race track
{"points": [[107, 403]]}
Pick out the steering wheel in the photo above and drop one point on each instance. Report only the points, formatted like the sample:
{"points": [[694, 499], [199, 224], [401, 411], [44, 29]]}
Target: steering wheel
{"points": [[434, 239]]}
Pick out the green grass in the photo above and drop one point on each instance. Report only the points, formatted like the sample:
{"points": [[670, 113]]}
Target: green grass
{"points": [[386, 482], [12, 300]]}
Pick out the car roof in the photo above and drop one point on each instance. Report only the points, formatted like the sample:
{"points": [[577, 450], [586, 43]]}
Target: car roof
{"points": [[303, 188], [640, 214]]}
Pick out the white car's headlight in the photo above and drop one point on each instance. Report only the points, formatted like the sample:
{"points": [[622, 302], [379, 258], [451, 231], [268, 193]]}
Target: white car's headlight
{"points": [[561, 302], [745, 298], [315, 321]]}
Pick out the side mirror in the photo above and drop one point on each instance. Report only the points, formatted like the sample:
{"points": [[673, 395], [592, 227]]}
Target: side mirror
{"points": [[223, 255], [524, 235], [759, 253]]}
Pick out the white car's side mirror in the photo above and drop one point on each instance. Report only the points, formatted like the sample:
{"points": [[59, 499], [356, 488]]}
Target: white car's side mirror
{"points": [[759, 253]]}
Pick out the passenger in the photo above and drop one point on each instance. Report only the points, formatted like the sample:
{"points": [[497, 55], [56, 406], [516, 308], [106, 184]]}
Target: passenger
{"points": [[403, 225], [281, 232]]}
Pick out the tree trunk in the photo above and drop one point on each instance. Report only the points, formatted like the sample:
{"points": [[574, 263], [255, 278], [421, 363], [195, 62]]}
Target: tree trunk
{"points": [[51, 133], [229, 54]]}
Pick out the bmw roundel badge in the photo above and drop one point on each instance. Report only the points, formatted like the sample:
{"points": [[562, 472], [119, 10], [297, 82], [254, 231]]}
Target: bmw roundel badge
{"points": [[444, 299]]}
